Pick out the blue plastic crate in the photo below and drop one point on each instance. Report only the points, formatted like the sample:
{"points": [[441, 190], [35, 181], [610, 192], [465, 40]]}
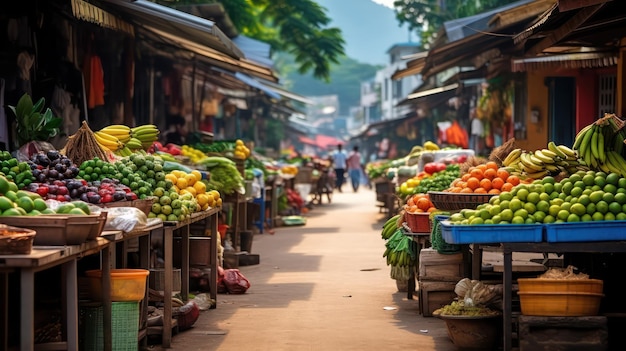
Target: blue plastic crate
{"points": [[586, 231], [491, 233]]}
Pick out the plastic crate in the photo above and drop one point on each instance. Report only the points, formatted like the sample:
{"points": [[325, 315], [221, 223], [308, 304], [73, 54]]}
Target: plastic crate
{"points": [[585, 231], [124, 326], [491, 233]]}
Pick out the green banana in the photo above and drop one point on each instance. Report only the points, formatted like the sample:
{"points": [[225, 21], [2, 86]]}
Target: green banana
{"points": [[601, 147], [594, 143], [580, 136]]}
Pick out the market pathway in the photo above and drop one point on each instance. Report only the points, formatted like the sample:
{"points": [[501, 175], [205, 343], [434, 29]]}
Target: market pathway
{"points": [[321, 286]]}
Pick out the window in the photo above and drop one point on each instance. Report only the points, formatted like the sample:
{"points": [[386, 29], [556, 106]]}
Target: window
{"points": [[606, 94], [397, 88]]}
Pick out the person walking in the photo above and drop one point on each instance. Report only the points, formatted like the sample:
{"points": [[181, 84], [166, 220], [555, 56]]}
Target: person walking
{"points": [[339, 164], [354, 168]]}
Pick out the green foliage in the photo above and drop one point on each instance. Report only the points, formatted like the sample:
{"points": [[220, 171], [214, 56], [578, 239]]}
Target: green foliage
{"points": [[299, 27], [33, 123], [427, 16]]}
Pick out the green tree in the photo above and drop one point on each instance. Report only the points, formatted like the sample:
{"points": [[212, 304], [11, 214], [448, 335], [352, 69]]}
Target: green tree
{"points": [[299, 27], [427, 16]]}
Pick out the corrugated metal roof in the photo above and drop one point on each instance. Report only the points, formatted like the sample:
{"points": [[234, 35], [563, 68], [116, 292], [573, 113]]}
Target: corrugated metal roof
{"points": [[565, 61]]}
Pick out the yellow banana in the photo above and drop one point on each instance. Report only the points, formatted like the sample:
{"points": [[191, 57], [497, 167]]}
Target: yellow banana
{"points": [[555, 149], [538, 174], [569, 153], [107, 142], [541, 156], [512, 156], [528, 163]]}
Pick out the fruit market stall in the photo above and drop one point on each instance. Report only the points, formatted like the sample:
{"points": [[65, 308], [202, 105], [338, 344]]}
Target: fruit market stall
{"points": [[59, 193], [560, 199]]}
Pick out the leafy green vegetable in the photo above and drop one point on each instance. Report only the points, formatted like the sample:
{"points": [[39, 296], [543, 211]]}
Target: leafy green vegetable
{"points": [[33, 123]]}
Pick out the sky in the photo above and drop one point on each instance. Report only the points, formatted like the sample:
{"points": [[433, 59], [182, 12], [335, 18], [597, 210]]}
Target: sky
{"points": [[388, 3]]}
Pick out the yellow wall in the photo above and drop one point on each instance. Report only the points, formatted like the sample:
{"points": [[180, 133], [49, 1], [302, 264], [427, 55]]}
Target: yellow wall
{"points": [[536, 133]]}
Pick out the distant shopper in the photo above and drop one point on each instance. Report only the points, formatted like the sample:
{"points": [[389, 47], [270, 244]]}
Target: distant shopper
{"points": [[177, 131], [354, 168], [339, 164]]}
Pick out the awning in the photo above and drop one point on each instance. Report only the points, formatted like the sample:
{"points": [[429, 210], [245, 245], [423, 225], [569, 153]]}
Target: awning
{"points": [[89, 13], [565, 61], [432, 96], [306, 140], [413, 67], [289, 95], [438, 90], [258, 85], [174, 22]]}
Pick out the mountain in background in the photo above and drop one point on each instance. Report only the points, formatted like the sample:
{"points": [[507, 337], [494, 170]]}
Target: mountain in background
{"points": [[368, 28]]}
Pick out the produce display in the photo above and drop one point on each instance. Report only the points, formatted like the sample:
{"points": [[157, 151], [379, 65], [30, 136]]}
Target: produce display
{"points": [[486, 178], [437, 176], [583, 196], [14, 170]]}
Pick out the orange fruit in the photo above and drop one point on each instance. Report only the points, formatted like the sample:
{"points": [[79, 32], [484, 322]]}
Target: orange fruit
{"points": [[473, 183], [494, 191], [485, 183], [513, 179], [492, 165], [465, 177], [423, 204], [502, 173], [477, 173], [480, 191], [506, 187], [497, 183], [466, 190], [490, 173]]}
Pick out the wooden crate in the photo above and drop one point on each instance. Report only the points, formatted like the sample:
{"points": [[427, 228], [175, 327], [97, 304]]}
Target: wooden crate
{"points": [[563, 333], [434, 295], [434, 266]]}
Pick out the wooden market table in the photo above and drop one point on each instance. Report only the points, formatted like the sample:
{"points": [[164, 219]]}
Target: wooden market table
{"points": [[42, 258], [542, 247], [423, 242]]}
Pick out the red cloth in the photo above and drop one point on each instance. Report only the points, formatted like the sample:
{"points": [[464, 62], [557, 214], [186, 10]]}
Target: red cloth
{"points": [[94, 81]]}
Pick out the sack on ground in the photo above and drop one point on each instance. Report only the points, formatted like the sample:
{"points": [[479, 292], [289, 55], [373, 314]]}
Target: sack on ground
{"points": [[235, 282]]}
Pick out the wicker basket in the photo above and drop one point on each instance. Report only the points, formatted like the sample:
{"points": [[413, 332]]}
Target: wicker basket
{"points": [[15, 240], [457, 201]]}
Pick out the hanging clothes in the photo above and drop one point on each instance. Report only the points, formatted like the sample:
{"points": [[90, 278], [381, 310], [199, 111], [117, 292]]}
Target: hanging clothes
{"points": [[94, 80]]}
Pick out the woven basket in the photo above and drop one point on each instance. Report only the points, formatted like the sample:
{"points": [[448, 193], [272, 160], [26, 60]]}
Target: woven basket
{"points": [[15, 240], [457, 201]]}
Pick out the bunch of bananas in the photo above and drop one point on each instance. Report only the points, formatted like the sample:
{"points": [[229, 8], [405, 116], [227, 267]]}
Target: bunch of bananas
{"points": [[108, 141], [147, 134], [400, 250], [391, 226], [543, 162], [119, 131], [601, 144]]}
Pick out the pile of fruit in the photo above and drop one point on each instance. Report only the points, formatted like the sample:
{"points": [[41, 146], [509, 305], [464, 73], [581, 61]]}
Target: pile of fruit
{"points": [[582, 197], [439, 180], [487, 178]]}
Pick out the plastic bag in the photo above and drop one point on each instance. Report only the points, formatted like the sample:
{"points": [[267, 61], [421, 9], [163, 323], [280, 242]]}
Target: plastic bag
{"points": [[235, 282], [125, 218]]}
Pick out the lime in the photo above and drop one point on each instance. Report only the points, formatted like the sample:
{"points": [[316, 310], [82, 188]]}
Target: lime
{"points": [[608, 197], [505, 196], [577, 191], [26, 203], [549, 219], [506, 215], [539, 216], [609, 216], [40, 204], [12, 212], [610, 188], [522, 194], [521, 213], [77, 211], [12, 187], [589, 179], [496, 219], [4, 185], [476, 220], [573, 218], [173, 218], [557, 201], [579, 209], [586, 218], [597, 216], [548, 180], [591, 208], [620, 198], [5, 203], [602, 207], [613, 178], [505, 204], [544, 197], [600, 181], [596, 196], [585, 200], [566, 206], [567, 188], [529, 207], [82, 205], [518, 220], [495, 210], [548, 188], [553, 210], [543, 206], [156, 208], [621, 183], [562, 215], [620, 216], [575, 177], [165, 200], [515, 205], [615, 207], [166, 209]]}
